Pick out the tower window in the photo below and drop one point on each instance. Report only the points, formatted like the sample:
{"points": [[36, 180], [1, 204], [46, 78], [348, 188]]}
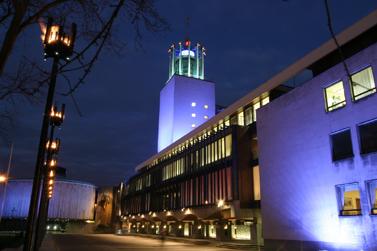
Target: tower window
{"points": [[205, 106], [349, 199], [205, 117], [334, 96], [193, 125], [368, 137], [193, 115], [193, 104], [341, 145], [362, 83]]}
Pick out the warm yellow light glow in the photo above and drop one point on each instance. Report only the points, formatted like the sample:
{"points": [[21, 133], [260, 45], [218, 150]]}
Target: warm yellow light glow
{"points": [[142, 216], [49, 188], [206, 202], [168, 213], [226, 227], [188, 211], [54, 35], [220, 203], [51, 182], [51, 174], [180, 226], [52, 163], [3, 178], [200, 227], [90, 221], [164, 226]]}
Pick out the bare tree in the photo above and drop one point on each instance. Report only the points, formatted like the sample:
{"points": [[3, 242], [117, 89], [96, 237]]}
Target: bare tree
{"points": [[99, 24]]}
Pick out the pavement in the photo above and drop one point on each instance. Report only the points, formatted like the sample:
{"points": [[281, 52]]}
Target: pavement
{"points": [[111, 242]]}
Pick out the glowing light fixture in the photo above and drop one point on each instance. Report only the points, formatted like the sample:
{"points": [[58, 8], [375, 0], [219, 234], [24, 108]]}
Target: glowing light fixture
{"points": [[193, 104], [3, 178], [220, 203]]}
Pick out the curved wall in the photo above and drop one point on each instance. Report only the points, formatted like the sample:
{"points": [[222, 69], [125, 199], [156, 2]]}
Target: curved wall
{"points": [[70, 200]]}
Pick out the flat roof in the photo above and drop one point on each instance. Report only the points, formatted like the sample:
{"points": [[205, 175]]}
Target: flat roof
{"points": [[345, 36]]}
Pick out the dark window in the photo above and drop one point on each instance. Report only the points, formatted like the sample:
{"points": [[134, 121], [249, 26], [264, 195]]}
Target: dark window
{"points": [[368, 137], [341, 145]]}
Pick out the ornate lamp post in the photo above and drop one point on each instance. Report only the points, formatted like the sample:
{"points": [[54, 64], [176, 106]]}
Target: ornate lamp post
{"points": [[52, 148], [57, 45]]}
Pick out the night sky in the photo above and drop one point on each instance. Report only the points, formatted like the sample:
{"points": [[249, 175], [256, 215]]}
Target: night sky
{"points": [[247, 42]]}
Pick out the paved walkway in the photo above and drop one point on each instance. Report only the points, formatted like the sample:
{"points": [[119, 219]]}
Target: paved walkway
{"points": [[111, 242]]}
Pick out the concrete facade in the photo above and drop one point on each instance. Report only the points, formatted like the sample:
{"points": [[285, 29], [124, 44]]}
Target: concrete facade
{"points": [[185, 103], [298, 175]]}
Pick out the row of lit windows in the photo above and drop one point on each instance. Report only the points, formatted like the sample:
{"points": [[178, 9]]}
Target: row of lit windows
{"points": [[362, 85], [341, 142], [349, 201], [141, 183], [246, 116], [217, 150], [207, 189]]}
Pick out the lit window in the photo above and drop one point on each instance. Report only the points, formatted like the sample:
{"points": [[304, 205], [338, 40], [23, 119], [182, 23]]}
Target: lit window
{"points": [[193, 104], [266, 100], [193, 115], [368, 137], [249, 115], [372, 193], [256, 106], [363, 83], [240, 117], [334, 96], [348, 199], [205, 106], [193, 125], [228, 145], [256, 183], [341, 145], [205, 116]]}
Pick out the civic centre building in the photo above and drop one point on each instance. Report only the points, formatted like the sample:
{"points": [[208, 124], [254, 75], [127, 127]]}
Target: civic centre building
{"points": [[287, 168]]}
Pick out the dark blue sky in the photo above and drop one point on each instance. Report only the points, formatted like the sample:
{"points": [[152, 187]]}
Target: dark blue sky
{"points": [[247, 43]]}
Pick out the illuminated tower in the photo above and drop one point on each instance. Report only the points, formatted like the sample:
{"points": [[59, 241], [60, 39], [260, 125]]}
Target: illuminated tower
{"points": [[187, 100], [187, 60]]}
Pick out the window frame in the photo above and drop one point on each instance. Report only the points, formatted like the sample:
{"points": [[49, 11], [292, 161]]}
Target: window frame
{"points": [[354, 97], [373, 210], [344, 102], [332, 144], [359, 212]]}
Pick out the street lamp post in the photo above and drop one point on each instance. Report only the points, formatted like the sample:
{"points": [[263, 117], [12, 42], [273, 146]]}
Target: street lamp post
{"points": [[4, 178], [49, 173], [57, 45]]}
